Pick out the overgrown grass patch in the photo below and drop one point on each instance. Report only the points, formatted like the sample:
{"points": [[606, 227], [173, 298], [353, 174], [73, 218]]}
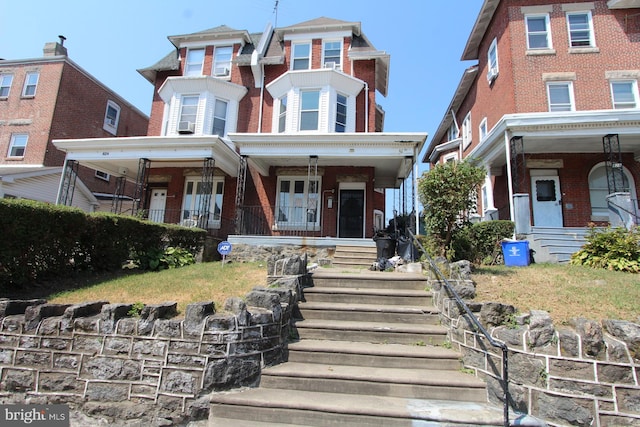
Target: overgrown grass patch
{"points": [[199, 282], [565, 291]]}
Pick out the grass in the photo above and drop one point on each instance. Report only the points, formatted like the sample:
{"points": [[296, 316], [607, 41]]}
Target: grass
{"points": [[199, 282], [565, 291]]}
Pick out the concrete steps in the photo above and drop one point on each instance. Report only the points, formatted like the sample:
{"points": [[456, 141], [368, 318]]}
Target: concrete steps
{"points": [[355, 256], [369, 353], [556, 245]]}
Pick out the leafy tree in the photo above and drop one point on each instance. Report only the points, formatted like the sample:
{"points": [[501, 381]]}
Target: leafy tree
{"points": [[448, 192]]}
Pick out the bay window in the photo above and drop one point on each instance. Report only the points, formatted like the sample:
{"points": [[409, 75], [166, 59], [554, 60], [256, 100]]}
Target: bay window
{"points": [[310, 109]]}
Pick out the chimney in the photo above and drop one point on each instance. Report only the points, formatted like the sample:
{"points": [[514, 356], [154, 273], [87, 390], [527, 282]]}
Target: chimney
{"points": [[55, 49]]}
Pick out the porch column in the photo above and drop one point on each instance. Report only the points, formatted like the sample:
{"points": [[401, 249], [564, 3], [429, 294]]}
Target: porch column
{"points": [[207, 189], [142, 181], [240, 189], [118, 193], [489, 209], [68, 183], [507, 148]]}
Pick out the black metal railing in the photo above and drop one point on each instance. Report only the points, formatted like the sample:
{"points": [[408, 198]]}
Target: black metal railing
{"points": [[478, 326], [279, 221]]}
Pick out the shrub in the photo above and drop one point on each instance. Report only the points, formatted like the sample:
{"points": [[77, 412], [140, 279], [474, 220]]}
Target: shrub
{"points": [[480, 242], [613, 249]]}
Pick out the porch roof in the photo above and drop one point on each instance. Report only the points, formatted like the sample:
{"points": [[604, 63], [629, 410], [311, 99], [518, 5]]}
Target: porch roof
{"points": [[391, 154], [120, 156], [567, 132]]}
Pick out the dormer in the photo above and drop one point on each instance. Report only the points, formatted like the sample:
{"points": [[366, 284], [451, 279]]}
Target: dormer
{"points": [[210, 52]]}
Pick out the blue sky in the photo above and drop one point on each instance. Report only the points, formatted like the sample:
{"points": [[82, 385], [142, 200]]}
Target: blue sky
{"points": [[110, 40]]}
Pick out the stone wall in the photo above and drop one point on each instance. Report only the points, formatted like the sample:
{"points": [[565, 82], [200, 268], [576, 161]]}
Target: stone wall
{"points": [[117, 362], [586, 374]]}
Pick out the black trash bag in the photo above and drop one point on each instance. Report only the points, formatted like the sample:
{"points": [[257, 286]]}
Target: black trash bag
{"points": [[406, 249]]}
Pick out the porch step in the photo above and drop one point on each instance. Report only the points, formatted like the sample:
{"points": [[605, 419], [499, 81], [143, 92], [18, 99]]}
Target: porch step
{"points": [[367, 312], [305, 408], [370, 296], [556, 245], [355, 256], [337, 278]]}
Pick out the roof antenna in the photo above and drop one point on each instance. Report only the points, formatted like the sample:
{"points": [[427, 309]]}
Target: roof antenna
{"points": [[62, 39], [275, 10]]}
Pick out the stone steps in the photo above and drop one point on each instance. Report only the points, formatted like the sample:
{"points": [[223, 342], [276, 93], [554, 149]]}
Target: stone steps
{"points": [[354, 256], [370, 353]]}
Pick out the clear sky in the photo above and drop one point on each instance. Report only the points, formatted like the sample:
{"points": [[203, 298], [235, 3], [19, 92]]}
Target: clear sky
{"points": [[111, 40]]}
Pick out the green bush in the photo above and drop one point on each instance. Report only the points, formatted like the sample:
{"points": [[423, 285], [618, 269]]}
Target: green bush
{"points": [[42, 241], [480, 242], [611, 248]]}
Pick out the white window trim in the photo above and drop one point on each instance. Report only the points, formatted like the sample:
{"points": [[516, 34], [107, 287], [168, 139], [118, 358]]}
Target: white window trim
{"points": [[213, 66], [483, 129], [338, 66], [346, 114], [212, 223], [634, 92], [592, 38], [569, 85], [319, 110], [467, 135], [27, 85], [493, 69], [282, 114], [110, 127], [12, 145], [293, 50], [450, 157], [300, 225], [214, 117], [547, 31], [187, 63], [181, 106], [102, 175], [4, 85]]}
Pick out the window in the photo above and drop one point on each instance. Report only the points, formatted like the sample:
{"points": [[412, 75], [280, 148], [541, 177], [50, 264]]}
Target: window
{"points": [[580, 29], [30, 84], [624, 94], [560, 96], [538, 36], [192, 203], [301, 56], [298, 203], [453, 132], [466, 131], [482, 129], [5, 85], [195, 60], [599, 190], [103, 175], [341, 113], [111, 117], [332, 53], [450, 157], [189, 109], [492, 61], [219, 117], [282, 115], [222, 61], [18, 145], [310, 101]]}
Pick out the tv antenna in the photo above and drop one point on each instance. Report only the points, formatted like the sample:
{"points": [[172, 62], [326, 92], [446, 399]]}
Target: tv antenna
{"points": [[275, 11]]}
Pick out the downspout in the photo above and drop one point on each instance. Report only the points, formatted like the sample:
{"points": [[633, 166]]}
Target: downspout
{"points": [[366, 107], [261, 97], [507, 150]]}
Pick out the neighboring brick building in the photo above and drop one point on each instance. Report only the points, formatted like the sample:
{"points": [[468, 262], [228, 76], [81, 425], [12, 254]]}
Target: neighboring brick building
{"points": [[551, 109], [51, 97], [265, 134]]}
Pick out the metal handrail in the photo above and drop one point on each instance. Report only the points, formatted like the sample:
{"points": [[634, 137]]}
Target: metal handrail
{"points": [[478, 325], [633, 213]]}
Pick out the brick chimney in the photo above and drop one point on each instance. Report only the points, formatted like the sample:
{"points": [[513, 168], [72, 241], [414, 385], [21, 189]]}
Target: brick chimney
{"points": [[55, 48]]}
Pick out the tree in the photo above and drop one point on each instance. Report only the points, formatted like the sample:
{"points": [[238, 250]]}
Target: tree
{"points": [[448, 194]]}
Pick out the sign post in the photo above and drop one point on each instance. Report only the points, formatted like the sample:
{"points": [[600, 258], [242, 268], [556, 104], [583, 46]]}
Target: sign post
{"points": [[224, 248]]}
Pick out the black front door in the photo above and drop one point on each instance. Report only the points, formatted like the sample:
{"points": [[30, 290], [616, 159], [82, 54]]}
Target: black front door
{"points": [[351, 222]]}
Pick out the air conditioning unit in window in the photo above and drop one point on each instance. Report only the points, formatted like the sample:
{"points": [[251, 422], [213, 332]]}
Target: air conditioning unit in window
{"points": [[331, 65], [492, 74], [186, 127]]}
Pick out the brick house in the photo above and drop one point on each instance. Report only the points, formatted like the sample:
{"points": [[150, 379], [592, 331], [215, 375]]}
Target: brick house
{"points": [[551, 109], [51, 97], [258, 136]]}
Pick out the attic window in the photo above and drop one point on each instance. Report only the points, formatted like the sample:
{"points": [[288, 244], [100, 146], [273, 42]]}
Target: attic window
{"points": [[222, 61], [194, 62], [301, 56]]}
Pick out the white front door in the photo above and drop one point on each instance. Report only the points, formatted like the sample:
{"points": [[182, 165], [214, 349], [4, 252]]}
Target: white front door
{"points": [[157, 204], [547, 201]]}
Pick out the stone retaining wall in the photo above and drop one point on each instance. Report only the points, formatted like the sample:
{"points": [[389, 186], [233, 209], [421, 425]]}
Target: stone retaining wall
{"points": [[111, 362], [584, 375]]}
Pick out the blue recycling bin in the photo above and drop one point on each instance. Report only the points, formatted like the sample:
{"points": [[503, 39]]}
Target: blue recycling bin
{"points": [[516, 253]]}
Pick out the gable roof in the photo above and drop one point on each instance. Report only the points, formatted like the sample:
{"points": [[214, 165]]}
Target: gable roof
{"points": [[479, 29]]}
